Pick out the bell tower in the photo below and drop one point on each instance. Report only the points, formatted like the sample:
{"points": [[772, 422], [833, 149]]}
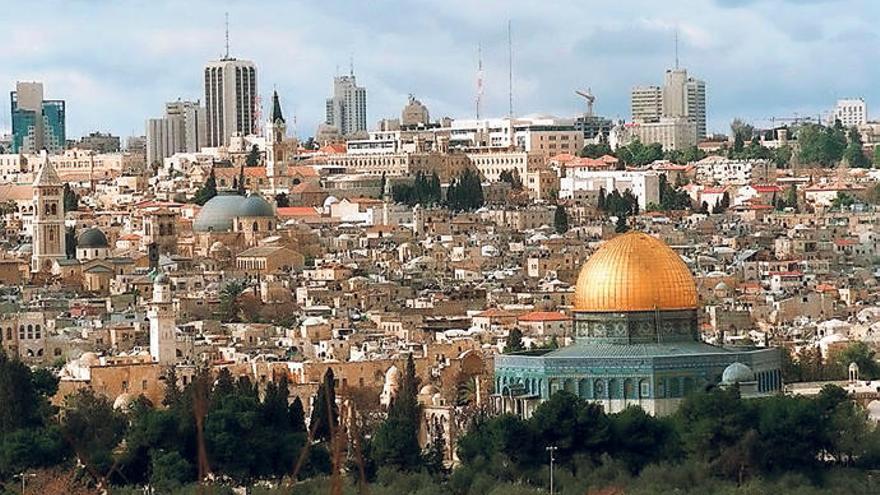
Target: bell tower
{"points": [[163, 333], [276, 131], [49, 240]]}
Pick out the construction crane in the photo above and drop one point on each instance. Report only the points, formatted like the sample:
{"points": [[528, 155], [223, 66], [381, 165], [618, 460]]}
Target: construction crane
{"points": [[590, 97], [795, 119]]}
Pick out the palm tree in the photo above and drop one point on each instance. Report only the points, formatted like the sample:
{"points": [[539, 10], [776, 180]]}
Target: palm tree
{"points": [[230, 301]]}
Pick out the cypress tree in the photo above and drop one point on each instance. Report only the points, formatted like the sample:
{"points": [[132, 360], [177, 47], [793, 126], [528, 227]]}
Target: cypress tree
{"points": [[396, 442], [208, 189], [560, 219], [323, 420]]}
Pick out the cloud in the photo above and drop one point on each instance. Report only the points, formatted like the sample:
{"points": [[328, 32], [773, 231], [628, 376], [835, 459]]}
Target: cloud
{"points": [[117, 63]]}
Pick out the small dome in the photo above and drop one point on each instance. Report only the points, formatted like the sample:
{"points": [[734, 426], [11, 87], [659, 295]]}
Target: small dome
{"points": [[737, 373], [428, 390], [255, 206], [92, 238], [123, 401], [90, 359]]}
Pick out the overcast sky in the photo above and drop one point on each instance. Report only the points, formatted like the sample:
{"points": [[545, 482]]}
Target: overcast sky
{"points": [[116, 63]]}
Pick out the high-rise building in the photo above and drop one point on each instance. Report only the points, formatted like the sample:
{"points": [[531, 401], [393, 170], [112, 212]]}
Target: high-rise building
{"points": [[646, 103], [851, 112], [680, 97], [182, 129], [48, 225], [37, 124], [347, 108], [230, 100]]}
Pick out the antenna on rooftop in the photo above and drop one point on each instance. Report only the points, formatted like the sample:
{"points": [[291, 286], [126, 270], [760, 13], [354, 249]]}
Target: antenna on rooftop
{"points": [[479, 99], [351, 64], [227, 37], [510, 69], [676, 47]]}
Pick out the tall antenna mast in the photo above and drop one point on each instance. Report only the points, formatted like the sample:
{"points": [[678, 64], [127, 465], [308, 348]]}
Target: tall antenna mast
{"points": [[509, 69], [676, 47], [479, 99], [351, 64], [227, 37]]}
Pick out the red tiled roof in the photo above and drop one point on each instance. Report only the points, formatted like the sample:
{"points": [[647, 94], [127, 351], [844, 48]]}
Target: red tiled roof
{"points": [[232, 172], [767, 189], [298, 211], [544, 316]]}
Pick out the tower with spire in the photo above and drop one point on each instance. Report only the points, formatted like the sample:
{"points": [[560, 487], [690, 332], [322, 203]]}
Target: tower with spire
{"points": [[276, 132], [48, 239]]}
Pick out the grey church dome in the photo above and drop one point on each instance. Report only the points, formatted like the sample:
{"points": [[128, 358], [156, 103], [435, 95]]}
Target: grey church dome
{"points": [[92, 238], [255, 206], [217, 214]]}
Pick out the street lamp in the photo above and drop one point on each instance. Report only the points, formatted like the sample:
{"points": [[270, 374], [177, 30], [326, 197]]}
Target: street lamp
{"points": [[552, 450], [23, 477]]}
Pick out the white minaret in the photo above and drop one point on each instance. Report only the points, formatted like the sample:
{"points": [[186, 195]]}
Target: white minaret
{"points": [[48, 241], [163, 333]]}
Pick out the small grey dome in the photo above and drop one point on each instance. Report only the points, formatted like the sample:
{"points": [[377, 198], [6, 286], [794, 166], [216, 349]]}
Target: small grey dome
{"points": [[92, 238], [737, 373], [255, 206]]}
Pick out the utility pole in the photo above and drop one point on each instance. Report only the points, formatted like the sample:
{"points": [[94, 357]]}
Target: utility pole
{"points": [[552, 450], [24, 476]]}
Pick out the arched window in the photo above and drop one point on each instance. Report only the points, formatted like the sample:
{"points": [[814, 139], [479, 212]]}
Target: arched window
{"points": [[37, 332], [21, 332], [30, 332], [256, 228]]}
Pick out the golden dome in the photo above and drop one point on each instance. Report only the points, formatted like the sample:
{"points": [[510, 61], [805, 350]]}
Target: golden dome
{"points": [[634, 272]]}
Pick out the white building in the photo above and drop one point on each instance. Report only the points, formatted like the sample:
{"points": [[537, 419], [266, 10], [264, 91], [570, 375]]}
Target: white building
{"points": [[346, 110], [726, 171], [545, 135], [230, 100], [643, 184], [671, 133], [681, 97], [851, 112], [163, 328]]}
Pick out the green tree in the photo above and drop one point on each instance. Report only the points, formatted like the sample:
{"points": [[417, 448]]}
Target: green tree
{"points": [[396, 442], [855, 154], [842, 201], [876, 156], [170, 471], [621, 226], [230, 301], [512, 177], [466, 192], [596, 150], [208, 189], [560, 219], [93, 428], [514, 341], [282, 200], [821, 145], [253, 157], [240, 183], [71, 199], [860, 354], [325, 412]]}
